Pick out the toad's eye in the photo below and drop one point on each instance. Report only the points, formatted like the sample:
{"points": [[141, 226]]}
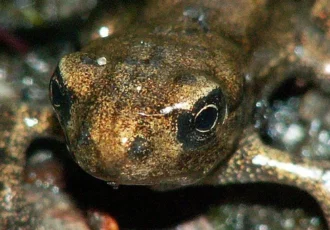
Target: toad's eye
{"points": [[60, 96], [198, 127], [206, 118]]}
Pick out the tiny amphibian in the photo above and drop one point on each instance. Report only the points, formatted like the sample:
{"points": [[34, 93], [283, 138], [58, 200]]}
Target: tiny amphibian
{"points": [[170, 101]]}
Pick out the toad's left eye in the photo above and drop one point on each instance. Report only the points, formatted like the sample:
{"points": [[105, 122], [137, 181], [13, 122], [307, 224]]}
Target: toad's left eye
{"points": [[60, 97], [206, 118], [198, 127]]}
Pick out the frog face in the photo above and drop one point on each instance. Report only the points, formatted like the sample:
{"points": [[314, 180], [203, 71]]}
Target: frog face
{"points": [[148, 111]]}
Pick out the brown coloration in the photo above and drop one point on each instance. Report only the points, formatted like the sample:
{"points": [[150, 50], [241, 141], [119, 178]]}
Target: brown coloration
{"points": [[102, 221], [107, 19], [23, 206], [44, 171], [159, 76], [240, 20], [140, 93], [51, 210], [19, 125], [123, 118], [321, 14], [256, 162]]}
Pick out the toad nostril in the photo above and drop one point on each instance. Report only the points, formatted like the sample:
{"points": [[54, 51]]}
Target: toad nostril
{"points": [[139, 148]]}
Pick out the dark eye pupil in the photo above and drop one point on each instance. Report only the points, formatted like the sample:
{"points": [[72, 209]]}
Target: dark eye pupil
{"points": [[206, 118]]}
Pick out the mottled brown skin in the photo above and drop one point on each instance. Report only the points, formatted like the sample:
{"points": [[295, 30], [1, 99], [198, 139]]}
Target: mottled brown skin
{"points": [[125, 99], [113, 114]]}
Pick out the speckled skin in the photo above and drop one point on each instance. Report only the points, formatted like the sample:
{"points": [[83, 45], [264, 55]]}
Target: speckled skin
{"points": [[115, 116], [126, 136], [133, 118], [144, 76]]}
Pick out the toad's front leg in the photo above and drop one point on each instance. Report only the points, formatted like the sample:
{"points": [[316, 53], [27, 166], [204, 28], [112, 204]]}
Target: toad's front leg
{"points": [[256, 162], [19, 125]]}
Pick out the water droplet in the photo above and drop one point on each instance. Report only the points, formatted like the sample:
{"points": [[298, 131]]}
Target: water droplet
{"points": [[104, 31], [31, 121], [101, 61]]}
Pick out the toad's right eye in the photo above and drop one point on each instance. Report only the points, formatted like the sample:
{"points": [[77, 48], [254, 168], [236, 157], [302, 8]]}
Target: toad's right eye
{"points": [[207, 118], [60, 96]]}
